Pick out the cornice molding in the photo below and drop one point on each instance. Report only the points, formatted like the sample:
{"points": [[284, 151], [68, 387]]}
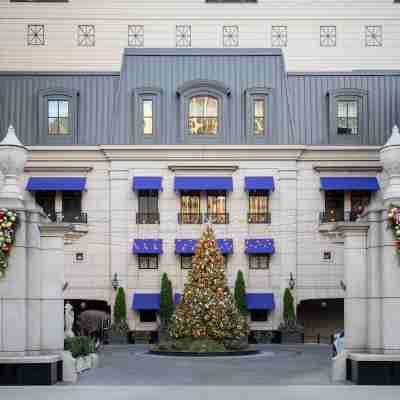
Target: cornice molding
{"points": [[64, 168], [196, 168], [346, 168]]}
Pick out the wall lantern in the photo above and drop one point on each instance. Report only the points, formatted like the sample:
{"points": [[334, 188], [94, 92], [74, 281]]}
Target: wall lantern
{"points": [[115, 282], [292, 282]]}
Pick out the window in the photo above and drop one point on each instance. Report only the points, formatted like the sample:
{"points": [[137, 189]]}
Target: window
{"points": [[259, 261], [148, 261], [148, 112], [36, 35], [71, 207], [148, 315], [334, 206], [190, 208], [186, 262], [359, 202], [347, 117], [258, 207], [147, 117], [148, 212], [203, 115], [216, 207], [58, 117], [259, 315], [47, 200], [258, 112]]}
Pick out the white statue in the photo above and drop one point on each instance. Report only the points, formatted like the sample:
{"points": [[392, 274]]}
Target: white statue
{"points": [[69, 320]]}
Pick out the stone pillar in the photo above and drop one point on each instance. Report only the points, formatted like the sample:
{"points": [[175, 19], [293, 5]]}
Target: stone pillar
{"points": [[374, 315], [355, 302], [52, 280], [390, 263]]}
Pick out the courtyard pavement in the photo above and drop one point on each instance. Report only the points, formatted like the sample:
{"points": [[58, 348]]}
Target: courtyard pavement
{"points": [[279, 373]]}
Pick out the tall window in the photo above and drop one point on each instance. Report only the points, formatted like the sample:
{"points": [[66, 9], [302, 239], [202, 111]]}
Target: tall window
{"points": [[258, 207], [47, 200], [58, 117], [148, 261], [359, 202], [259, 122], [148, 212], [186, 262], [259, 261], [72, 206], [216, 207], [203, 115], [148, 315], [147, 117], [259, 315], [347, 117], [190, 208], [334, 206]]}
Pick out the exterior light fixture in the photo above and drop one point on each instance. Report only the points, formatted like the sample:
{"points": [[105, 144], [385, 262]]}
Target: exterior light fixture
{"points": [[115, 282], [343, 286], [292, 282]]}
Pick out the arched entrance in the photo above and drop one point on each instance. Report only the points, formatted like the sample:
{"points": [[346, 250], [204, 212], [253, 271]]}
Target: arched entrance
{"points": [[321, 318]]}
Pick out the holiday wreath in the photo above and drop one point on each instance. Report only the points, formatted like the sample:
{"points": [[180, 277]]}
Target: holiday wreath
{"points": [[8, 226]]}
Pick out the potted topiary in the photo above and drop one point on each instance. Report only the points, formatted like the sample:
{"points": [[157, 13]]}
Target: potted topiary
{"points": [[291, 330], [166, 307], [119, 327]]}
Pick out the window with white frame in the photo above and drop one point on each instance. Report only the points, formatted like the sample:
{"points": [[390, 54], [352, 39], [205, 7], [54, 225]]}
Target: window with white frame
{"points": [[203, 115]]}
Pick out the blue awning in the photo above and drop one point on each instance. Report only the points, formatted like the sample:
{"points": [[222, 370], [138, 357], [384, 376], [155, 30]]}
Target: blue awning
{"points": [[177, 298], [147, 183], [147, 246], [54, 184], [146, 301], [350, 183], [188, 246], [259, 183], [203, 183], [259, 246], [260, 301]]}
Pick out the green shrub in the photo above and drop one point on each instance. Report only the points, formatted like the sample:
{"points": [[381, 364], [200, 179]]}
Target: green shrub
{"points": [[166, 300], [288, 306], [240, 293], [80, 345], [119, 311]]}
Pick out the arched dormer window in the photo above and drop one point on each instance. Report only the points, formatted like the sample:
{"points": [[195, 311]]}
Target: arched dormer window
{"points": [[58, 120], [204, 109]]}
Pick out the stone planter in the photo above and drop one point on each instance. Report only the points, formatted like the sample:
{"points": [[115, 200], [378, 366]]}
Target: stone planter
{"points": [[80, 365], [94, 358]]}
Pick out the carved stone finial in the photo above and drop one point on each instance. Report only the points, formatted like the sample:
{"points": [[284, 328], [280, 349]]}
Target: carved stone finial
{"points": [[13, 156], [394, 140]]}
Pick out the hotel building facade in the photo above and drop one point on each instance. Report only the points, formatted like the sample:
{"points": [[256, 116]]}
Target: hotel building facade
{"points": [[145, 120]]}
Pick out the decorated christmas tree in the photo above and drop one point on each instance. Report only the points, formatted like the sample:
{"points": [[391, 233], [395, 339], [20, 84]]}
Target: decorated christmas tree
{"points": [[207, 308]]}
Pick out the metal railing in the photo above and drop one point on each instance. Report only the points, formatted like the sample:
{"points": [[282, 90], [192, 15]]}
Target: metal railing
{"points": [[259, 218], [217, 218], [338, 216], [188, 218], [147, 218], [70, 217]]}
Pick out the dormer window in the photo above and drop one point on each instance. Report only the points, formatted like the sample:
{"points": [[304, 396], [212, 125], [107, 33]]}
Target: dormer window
{"points": [[58, 117], [259, 123], [347, 117], [203, 115], [147, 117]]}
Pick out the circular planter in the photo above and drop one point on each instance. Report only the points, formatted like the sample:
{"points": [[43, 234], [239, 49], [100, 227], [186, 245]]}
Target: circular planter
{"points": [[205, 354]]}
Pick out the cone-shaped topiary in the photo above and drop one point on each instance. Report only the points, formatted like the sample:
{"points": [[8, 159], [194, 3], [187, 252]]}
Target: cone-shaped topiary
{"points": [[207, 308], [119, 312], [166, 300], [240, 293], [288, 307]]}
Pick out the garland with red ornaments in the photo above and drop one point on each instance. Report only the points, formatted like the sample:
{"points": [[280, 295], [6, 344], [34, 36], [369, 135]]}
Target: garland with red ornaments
{"points": [[8, 227], [394, 222]]}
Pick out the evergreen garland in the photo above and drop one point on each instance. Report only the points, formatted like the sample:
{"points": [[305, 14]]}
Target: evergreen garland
{"points": [[8, 227]]}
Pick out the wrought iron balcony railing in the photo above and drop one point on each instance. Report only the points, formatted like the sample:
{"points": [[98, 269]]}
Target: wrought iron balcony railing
{"points": [[188, 218], [69, 217], [259, 218], [217, 218], [147, 218], [338, 216]]}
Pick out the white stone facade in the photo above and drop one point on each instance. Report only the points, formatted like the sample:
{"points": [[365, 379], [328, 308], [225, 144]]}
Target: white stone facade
{"points": [[366, 34], [300, 240]]}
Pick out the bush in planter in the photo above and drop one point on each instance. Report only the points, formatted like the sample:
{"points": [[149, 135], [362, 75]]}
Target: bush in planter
{"points": [[120, 327], [291, 330], [240, 293], [80, 346], [166, 301]]}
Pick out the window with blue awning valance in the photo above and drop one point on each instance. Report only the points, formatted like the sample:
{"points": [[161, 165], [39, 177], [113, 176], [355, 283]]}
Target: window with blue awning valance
{"points": [[147, 183], [350, 183], [259, 246], [203, 183], [63, 184], [147, 246], [146, 301], [260, 301], [188, 246], [259, 183]]}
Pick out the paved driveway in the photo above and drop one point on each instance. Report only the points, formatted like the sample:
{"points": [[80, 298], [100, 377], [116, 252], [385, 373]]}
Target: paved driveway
{"points": [[276, 365]]}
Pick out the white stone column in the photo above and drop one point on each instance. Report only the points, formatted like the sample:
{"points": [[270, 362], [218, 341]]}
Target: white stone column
{"points": [[355, 302], [52, 280], [374, 282]]}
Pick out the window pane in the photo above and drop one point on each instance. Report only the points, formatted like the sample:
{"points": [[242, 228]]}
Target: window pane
{"points": [[148, 126], [147, 108], [190, 203], [216, 203], [63, 126], [196, 107], [186, 262], [52, 108], [347, 118], [352, 109], [342, 109], [203, 115], [260, 261], [258, 202], [53, 126], [148, 201], [259, 108], [211, 107], [63, 109], [259, 128]]}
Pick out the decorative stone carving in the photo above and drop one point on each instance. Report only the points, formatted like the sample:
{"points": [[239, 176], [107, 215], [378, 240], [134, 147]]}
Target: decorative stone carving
{"points": [[390, 157], [69, 320]]}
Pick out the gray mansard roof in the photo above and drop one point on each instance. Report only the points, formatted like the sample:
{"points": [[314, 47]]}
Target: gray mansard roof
{"points": [[106, 104]]}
